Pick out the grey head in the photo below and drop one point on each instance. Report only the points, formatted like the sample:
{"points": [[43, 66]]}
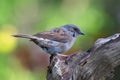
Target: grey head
{"points": [[73, 30]]}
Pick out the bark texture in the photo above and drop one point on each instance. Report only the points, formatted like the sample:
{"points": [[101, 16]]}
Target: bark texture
{"points": [[97, 63]]}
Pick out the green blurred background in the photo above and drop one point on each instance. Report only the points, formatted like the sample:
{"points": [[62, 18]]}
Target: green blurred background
{"points": [[23, 60]]}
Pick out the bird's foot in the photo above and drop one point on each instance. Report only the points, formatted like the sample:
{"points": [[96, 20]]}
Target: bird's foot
{"points": [[62, 56], [59, 56], [68, 58]]}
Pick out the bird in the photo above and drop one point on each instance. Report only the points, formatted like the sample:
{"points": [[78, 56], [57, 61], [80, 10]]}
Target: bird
{"points": [[57, 40]]}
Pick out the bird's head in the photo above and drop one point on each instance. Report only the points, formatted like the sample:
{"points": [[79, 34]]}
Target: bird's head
{"points": [[73, 30]]}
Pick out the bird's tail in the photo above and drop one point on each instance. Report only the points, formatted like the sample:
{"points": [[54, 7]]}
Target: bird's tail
{"points": [[24, 36]]}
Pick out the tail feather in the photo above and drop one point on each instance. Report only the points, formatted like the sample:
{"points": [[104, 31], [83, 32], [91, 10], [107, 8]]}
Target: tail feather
{"points": [[24, 36]]}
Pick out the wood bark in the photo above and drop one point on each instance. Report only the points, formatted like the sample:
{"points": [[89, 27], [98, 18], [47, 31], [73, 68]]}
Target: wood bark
{"points": [[97, 63]]}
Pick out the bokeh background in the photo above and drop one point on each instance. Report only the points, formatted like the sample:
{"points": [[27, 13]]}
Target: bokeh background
{"points": [[23, 60]]}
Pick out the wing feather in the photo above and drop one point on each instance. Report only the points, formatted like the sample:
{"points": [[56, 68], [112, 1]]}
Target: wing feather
{"points": [[57, 34]]}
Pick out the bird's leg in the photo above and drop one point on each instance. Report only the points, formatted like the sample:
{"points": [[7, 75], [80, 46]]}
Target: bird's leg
{"points": [[68, 58], [59, 56], [62, 56]]}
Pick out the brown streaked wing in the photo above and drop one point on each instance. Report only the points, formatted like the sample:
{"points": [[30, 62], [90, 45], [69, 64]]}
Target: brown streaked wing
{"points": [[59, 36]]}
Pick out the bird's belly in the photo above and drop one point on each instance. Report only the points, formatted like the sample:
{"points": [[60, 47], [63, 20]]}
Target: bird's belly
{"points": [[61, 48], [52, 47], [53, 50]]}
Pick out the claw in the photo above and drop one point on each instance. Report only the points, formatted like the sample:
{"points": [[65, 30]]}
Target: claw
{"points": [[62, 56], [68, 58]]}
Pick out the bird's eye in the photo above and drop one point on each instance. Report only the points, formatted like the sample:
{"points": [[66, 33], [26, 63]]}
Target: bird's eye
{"points": [[74, 35]]}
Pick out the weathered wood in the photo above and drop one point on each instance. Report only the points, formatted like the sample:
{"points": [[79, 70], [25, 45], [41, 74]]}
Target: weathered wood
{"points": [[97, 63]]}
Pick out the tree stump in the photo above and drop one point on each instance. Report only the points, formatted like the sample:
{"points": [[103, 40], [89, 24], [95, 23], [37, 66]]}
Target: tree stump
{"points": [[97, 63]]}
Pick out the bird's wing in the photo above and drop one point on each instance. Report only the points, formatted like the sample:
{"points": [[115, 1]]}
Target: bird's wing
{"points": [[57, 34]]}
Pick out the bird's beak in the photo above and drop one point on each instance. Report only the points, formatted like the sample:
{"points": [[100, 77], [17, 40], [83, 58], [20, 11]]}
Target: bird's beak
{"points": [[81, 33]]}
